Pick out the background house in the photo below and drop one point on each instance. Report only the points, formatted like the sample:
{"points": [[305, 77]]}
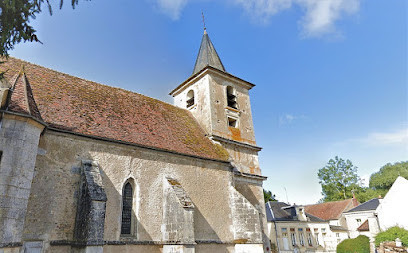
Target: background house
{"points": [[362, 220], [292, 229]]}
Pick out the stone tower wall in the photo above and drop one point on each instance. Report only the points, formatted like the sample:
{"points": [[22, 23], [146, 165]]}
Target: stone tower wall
{"points": [[19, 138]]}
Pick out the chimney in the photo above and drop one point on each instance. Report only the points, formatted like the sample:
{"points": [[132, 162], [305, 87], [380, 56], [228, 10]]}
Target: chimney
{"points": [[354, 199]]}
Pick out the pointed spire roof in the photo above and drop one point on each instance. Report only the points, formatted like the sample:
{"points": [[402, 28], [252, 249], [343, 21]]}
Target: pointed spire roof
{"points": [[21, 99], [207, 55]]}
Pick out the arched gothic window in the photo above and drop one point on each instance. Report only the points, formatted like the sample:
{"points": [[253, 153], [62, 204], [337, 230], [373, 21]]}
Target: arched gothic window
{"points": [[231, 98], [190, 98], [127, 202]]}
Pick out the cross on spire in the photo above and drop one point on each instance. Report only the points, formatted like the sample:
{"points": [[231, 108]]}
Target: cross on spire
{"points": [[202, 14]]}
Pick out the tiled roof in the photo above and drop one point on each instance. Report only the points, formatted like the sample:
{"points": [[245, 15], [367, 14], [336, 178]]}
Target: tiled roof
{"points": [[80, 106], [364, 227], [21, 98], [279, 211], [330, 210], [369, 205]]}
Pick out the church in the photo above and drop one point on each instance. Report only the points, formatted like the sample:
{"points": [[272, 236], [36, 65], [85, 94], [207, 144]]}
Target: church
{"points": [[86, 167]]}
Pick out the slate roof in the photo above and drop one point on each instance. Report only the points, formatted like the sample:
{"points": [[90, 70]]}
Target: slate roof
{"points": [[364, 227], [337, 228], [84, 107], [207, 56], [278, 211], [369, 205], [330, 210]]}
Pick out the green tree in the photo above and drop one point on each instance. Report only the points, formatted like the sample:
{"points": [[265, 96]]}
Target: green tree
{"points": [[391, 234], [15, 17], [338, 179], [360, 244], [381, 181], [268, 196], [388, 173]]}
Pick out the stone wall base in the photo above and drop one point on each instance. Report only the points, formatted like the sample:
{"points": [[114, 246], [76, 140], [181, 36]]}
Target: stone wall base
{"points": [[88, 249], [10, 250], [249, 248], [178, 249]]}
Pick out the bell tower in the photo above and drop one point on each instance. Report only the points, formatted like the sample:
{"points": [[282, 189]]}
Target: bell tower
{"points": [[220, 102]]}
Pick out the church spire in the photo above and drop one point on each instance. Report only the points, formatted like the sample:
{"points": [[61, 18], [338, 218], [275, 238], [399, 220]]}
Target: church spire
{"points": [[207, 56]]}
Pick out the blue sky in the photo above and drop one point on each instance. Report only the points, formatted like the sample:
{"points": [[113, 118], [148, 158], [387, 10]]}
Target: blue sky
{"points": [[331, 75]]}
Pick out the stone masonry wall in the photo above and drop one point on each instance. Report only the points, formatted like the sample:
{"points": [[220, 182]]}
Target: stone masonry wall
{"points": [[178, 214], [247, 227], [53, 201], [19, 138]]}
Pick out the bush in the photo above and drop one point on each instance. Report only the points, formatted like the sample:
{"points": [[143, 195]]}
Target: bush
{"points": [[361, 244], [391, 234]]}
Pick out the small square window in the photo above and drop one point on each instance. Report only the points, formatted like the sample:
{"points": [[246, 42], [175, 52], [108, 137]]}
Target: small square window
{"points": [[232, 122]]}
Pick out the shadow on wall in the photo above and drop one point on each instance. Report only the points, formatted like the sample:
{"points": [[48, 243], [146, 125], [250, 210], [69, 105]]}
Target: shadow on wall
{"points": [[53, 202], [202, 229]]}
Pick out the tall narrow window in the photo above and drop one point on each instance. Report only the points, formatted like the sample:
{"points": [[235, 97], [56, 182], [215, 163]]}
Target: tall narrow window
{"points": [[301, 237], [231, 97], [127, 200], [309, 239], [293, 237], [190, 98]]}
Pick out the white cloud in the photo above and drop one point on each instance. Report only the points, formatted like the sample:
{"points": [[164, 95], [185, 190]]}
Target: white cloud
{"points": [[263, 10], [321, 15], [319, 18], [397, 137], [171, 8], [290, 118]]}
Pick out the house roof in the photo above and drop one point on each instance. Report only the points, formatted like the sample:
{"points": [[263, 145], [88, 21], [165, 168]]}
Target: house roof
{"points": [[337, 228], [84, 107], [369, 205], [207, 56], [280, 211], [330, 210], [274, 211], [364, 227]]}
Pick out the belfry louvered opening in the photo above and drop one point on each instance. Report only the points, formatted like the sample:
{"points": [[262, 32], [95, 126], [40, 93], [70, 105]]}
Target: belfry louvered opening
{"points": [[231, 98]]}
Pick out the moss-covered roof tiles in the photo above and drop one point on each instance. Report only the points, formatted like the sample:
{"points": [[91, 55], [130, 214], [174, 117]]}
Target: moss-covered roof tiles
{"points": [[85, 107]]}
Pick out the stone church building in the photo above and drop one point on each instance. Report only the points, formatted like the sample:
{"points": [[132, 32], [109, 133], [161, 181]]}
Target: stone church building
{"points": [[86, 167]]}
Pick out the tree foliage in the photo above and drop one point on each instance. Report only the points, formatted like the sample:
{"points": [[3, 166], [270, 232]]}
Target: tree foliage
{"points": [[361, 244], [391, 234], [15, 17], [381, 181], [269, 196], [338, 179], [388, 173]]}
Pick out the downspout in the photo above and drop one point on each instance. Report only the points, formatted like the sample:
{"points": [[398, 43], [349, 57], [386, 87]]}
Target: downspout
{"points": [[274, 223]]}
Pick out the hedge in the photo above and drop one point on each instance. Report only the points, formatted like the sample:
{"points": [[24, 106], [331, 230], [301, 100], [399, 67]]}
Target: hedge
{"points": [[361, 244], [391, 234]]}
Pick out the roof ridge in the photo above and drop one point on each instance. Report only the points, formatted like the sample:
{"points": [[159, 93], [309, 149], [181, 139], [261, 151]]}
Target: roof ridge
{"points": [[84, 79], [336, 201]]}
